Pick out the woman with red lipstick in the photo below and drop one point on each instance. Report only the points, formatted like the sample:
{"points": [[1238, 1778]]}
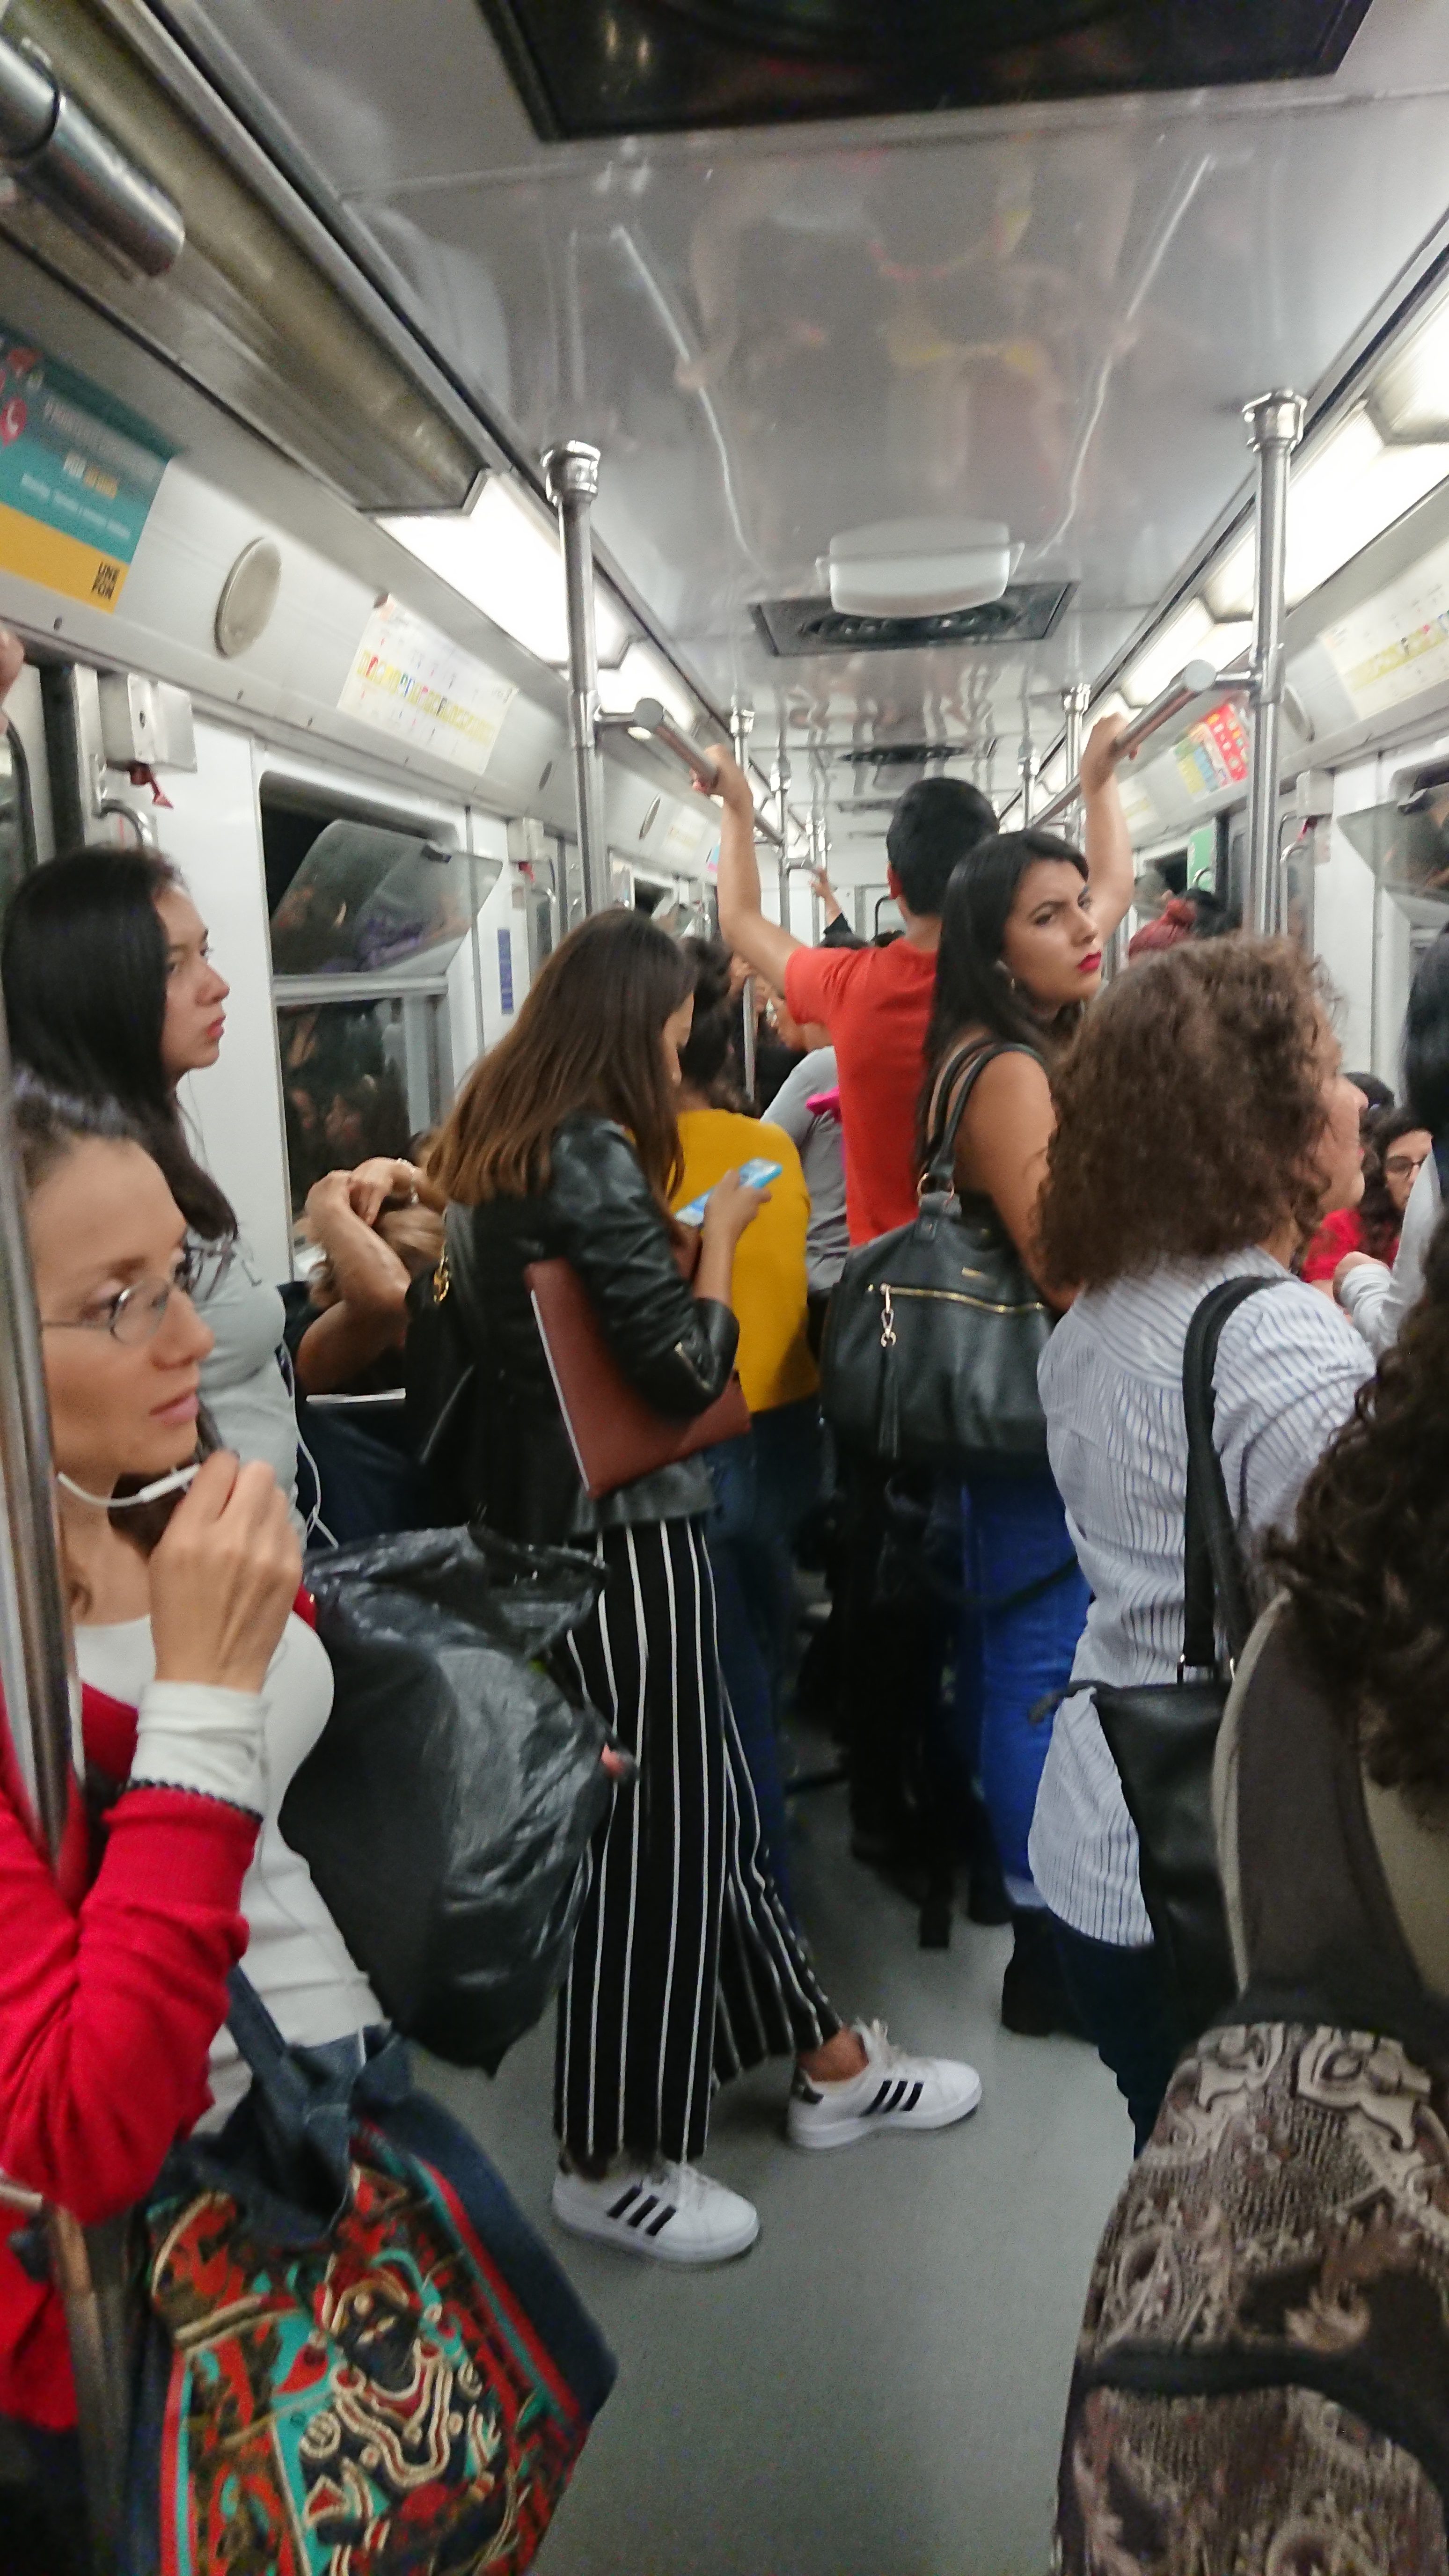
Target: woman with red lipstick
{"points": [[1021, 954], [111, 993]]}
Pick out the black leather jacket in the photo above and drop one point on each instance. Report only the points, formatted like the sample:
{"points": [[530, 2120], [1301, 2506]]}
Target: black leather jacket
{"points": [[677, 1349]]}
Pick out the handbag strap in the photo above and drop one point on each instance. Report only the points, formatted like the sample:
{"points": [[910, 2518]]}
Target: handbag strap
{"points": [[940, 1171], [263, 2048], [1216, 1585]]}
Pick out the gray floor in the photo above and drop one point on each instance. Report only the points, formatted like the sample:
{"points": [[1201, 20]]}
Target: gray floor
{"points": [[876, 2390]]}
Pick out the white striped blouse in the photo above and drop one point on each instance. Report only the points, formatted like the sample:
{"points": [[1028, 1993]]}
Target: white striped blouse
{"points": [[1289, 1365]]}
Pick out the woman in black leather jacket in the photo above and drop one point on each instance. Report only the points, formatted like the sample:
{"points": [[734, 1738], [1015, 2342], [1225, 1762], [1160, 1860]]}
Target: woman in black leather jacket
{"points": [[685, 1967]]}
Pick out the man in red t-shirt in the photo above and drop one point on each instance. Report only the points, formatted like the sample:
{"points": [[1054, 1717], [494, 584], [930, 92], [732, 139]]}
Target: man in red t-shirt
{"points": [[876, 1002]]}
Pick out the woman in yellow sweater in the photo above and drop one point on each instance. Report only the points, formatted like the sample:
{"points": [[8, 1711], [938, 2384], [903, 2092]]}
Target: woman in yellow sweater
{"points": [[764, 1482]]}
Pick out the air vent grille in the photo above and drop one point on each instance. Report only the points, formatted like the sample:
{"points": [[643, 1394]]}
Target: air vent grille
{"points": [[1026, 612]]}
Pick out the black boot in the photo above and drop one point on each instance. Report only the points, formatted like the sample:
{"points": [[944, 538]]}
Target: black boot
{"points": [[1034, 2000]]}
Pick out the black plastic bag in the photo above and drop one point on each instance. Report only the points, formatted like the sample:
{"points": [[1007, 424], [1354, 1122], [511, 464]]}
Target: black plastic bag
{"points": [[448, 1808]]}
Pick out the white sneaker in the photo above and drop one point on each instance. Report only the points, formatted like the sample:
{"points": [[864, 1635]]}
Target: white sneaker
{"points": [[892, 2091], [672, 2212]]}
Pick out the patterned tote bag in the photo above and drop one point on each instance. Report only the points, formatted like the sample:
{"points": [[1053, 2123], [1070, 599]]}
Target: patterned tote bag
{"points": [[359, 2359]]}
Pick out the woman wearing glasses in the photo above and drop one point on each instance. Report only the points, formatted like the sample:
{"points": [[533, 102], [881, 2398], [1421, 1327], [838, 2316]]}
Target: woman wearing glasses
{"points": [[111, 994], [202, 1693], [1396, 1148]]}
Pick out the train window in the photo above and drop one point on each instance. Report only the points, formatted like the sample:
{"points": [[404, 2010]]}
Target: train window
{"points": [[17, 821], [367, 914], [362, 1073]]}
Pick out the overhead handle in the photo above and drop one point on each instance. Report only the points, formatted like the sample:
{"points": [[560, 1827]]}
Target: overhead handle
{"points": [[1195, 681]]}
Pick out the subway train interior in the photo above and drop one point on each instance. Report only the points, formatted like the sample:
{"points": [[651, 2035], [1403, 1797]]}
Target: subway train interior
{"points": [[426, 428]]}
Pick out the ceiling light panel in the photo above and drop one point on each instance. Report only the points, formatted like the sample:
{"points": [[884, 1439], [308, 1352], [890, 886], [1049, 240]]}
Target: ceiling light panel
{"points": [[1411, 398], [643, 673], [1194, 634], [1347, 490], [503, 556]]}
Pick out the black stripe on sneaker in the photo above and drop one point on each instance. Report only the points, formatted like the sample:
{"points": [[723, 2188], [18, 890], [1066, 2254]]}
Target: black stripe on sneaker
{"points": [[624, 2199], [638, 2216], [880, 2102], [663, 2219], [915, 2095]]}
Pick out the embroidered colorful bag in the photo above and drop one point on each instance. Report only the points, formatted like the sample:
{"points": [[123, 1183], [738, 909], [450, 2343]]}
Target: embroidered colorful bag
{"points": [[360, 2361]]}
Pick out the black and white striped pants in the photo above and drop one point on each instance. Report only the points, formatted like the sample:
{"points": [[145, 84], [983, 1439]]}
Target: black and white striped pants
{"points": [[685, 1968]]}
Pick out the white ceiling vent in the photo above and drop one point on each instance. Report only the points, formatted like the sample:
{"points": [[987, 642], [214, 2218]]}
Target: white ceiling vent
{"points": [[918, 567]]}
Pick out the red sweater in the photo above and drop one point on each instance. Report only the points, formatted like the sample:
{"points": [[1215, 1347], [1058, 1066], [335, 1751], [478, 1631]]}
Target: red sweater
{"points": [[106, 2021]]}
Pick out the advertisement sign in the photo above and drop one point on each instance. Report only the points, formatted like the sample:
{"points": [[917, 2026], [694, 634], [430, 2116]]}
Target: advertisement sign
{"points": [[1397, 644], [78, 476], [1214, 754], [410, 681]]}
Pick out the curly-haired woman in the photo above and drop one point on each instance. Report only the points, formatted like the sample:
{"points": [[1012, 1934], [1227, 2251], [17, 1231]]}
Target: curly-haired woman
{"points": [[1204, 1130], [1280, 2391]]}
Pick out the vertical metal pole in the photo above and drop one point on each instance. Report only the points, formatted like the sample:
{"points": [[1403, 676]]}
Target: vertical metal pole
{"points": [[780, 783], [742, 725], [1075, 697], [571, 479], [1026, 765], [42, 1774], [1275, 425]]}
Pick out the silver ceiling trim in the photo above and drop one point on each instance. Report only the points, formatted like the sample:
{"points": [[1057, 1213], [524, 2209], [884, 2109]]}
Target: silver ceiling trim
{"points": [[174, 70], [213, 86]]}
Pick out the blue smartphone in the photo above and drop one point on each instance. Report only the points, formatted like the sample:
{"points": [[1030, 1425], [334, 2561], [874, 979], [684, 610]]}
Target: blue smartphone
{"points": [[756, 1175]]}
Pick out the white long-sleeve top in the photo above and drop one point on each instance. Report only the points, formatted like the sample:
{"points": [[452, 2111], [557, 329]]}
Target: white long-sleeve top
{"points": [[296, 1958]]}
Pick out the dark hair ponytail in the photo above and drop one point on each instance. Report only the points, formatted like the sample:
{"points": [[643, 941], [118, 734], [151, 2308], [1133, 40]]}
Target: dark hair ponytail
{"points": [[83, 964]]}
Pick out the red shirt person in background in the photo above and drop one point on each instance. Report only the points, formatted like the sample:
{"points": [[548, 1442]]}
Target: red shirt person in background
{"points": [[876, 1002], [1395, 1151]]}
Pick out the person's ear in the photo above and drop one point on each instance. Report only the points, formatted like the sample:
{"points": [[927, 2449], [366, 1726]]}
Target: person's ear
{"points": [[894, 884]]}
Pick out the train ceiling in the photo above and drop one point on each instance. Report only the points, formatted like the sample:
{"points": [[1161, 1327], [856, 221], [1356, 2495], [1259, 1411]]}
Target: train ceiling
{"points": [[1047, 315]]}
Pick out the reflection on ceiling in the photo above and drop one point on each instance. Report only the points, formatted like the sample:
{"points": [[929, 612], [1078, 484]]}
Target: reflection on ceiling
{"points": [[1046, 319]]}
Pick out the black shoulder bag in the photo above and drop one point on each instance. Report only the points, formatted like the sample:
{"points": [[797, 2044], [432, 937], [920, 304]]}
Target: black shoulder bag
{"points": [[1163, 1735], [934, 1332]]}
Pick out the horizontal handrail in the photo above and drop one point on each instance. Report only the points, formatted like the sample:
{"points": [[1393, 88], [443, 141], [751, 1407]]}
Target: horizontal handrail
{"points": [[651, 722], [1196, 680]]}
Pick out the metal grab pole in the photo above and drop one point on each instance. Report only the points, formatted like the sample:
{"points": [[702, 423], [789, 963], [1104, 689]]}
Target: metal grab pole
{"points": [[1075, 699], [781, 785], [1197, 680], [571, 479], [42, 1775], [1026, 765], [1275, 426]]}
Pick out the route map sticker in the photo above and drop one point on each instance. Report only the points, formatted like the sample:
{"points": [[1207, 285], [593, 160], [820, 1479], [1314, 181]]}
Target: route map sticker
{"points": [[409, 680], [78, 475]]}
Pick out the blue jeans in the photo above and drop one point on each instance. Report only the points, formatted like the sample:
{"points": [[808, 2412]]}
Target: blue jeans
{"points": [[1013, 1654], [764, 1484]]}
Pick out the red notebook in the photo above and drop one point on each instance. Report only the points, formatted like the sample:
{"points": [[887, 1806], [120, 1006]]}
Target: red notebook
{"points": [[616, 1434]]}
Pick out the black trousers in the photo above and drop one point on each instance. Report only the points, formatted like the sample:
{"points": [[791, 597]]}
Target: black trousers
{"points": [[685, 1966]]}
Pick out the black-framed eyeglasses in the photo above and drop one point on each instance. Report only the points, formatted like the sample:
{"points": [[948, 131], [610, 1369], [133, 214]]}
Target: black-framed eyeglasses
{"points": [[1398, 1164]]}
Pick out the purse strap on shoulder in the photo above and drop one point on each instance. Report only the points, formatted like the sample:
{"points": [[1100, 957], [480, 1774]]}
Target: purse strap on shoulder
{"points": [[1216, 1587], [965, 1069]]}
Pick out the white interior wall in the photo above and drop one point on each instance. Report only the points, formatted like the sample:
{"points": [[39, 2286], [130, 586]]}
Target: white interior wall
{"points": [[1343, 918]]}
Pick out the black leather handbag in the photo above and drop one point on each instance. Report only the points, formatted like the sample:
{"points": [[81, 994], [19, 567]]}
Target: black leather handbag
{"points": [[934, 1331], [1163, 1735]]}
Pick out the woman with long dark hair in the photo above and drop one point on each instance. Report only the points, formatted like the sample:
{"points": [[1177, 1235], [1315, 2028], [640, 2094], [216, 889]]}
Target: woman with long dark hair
{"points": [[1020, 957], [563, 1141], [111, 994]]}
